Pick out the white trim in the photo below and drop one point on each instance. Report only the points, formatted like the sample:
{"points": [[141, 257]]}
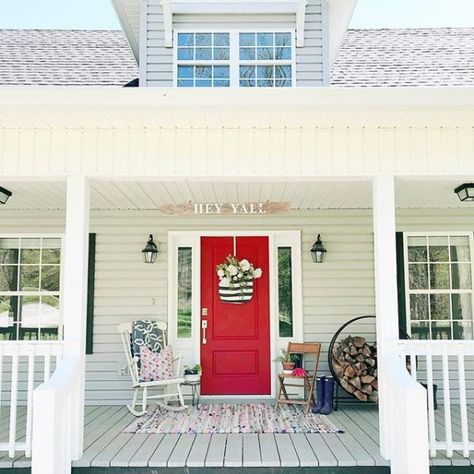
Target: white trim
{"points": [[143, 49], [192, 346], [449, 291], [170, 7], [234, 62]]}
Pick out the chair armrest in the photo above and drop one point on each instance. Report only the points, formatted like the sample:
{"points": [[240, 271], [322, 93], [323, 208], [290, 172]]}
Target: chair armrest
{"points": [[177, 359]]}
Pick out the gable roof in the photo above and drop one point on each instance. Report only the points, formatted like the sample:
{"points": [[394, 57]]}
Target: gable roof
{"points": [[406, 57], [65, 58], [368, 58]]}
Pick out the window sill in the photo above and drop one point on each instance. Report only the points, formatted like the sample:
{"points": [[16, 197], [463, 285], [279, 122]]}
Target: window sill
{"points": [[171, 7]]}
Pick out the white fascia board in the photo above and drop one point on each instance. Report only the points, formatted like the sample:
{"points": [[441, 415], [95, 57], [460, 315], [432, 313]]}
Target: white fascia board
{"points": [[133, 41], [171, 7]]}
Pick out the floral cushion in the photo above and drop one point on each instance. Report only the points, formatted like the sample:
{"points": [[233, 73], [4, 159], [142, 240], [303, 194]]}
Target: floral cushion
{"points": [[156, 366], [145, 333]]}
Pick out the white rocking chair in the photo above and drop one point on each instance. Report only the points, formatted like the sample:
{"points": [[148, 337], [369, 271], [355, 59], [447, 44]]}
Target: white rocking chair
{"points": [[168, 394]]}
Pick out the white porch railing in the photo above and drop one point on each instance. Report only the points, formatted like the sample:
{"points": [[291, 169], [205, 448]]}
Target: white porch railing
{"points": [[406, 420], [430, 363], [54, 423], [28, 364]]}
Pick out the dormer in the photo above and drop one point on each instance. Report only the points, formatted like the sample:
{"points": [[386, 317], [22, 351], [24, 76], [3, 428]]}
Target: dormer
{"points": [[238, 43]]}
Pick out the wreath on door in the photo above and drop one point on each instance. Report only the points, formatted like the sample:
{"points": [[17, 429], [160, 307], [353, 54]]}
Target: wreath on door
{"points": [[236, 280]]}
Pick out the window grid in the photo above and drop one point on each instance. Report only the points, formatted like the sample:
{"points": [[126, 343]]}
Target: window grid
{"points": [[433, 325], [282, 70], [17, 297]]}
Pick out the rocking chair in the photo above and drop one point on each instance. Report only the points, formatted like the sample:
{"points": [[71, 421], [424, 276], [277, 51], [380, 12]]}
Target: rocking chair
{"points": [[174, 383]]}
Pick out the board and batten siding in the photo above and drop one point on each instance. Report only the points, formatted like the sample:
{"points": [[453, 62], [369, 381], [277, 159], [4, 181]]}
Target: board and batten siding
{"points": [[158, 59], [126, 288]]}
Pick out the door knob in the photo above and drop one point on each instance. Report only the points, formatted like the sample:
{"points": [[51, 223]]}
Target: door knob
{"points": [[204, 327]]}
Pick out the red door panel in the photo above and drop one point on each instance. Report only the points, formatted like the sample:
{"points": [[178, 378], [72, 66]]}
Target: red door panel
{"points": [[236, 357]]}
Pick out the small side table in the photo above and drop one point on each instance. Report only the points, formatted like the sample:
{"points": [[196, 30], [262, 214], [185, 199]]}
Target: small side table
{"points": [[195, 390]]}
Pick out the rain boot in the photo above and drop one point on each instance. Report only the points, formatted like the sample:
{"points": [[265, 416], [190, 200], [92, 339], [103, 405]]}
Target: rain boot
{"points": [[328, 396], [320, 394]]}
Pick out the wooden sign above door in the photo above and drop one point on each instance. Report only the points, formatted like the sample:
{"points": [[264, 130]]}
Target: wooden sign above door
{"points": [[226, 208]]}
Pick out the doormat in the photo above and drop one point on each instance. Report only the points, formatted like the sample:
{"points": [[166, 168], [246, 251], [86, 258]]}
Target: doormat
{"points": [[229, 418]]}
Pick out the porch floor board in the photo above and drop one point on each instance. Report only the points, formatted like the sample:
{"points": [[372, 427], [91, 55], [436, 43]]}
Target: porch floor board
{"points": [[106, 445]]}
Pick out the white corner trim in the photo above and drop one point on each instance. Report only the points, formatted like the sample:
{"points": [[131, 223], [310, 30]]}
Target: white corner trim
{"points": [[170, 7]]}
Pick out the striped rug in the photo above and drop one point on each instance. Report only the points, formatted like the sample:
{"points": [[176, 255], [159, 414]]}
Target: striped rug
{"points": [[232, 418]]}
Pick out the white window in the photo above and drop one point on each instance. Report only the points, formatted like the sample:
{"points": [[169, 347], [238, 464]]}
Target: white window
{"points": [[30, 288], [234, 59], [438, 283]]}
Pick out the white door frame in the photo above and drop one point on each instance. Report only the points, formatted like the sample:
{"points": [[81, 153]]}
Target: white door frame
{"points": [[191, 347]]}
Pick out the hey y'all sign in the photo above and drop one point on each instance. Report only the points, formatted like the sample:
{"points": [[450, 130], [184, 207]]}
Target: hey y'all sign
{"points": [[226, 208]]}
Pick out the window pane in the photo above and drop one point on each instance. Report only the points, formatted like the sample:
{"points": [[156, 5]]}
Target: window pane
{"points": [[420, 330], [50, 317], [221, 72], [461, 276], [29, 277], [247, 54], [50, 278], [247, 39], [203, 72], [221, 83], [418, 276], [221, 54], [283, 83], [185, 39], [462, 330], [265, 72], [439, 306], [247, 83], [265, 39], [462, 306], [185, 54], [247, 72], [283, 39], [203, 39], [283, 54], [185, 83], [8, 312], [285, 292], [283, 72], [438, 249], [30, 256], [51, 255], [265, 54], [203, 83], [417, 249], [203, 54], [439, 276], [184, 292], [221, 39], [185, 72], [459, 247], [8, 278], [30, 317], [441, 330], [9, 251], [419, 307]]}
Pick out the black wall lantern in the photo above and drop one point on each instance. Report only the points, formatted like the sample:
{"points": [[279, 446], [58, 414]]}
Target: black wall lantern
{"points": [[318, 252], [150, 252], [465, 192], [4, 195]]}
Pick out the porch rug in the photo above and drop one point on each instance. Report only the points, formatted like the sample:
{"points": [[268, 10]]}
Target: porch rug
{"points": [[231, 418]]}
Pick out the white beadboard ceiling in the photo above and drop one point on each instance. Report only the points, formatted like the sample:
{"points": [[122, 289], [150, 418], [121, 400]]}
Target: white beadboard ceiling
{"points": [[301, 195]]}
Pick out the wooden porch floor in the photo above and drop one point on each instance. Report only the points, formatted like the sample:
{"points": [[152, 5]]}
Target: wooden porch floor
{"points": [[106, 446]]}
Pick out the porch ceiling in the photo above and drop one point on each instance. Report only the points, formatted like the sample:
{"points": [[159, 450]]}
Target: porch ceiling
{"points": [[130, 195]]}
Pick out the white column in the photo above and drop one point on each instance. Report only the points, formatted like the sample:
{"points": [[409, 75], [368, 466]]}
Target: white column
{"points": [[75, 292], [386, 298]]}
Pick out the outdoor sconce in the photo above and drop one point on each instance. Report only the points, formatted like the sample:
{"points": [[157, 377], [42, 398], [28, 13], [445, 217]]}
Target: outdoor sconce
{"points": [[150, 252], [465, 192], [318, 252], [4, 195]]}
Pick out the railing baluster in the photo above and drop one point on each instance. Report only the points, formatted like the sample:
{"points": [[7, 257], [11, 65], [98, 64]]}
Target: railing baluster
{"points": [[431, 414], [462, 401], [1, 377], [29, 403], [13, 404], [447, 403]]}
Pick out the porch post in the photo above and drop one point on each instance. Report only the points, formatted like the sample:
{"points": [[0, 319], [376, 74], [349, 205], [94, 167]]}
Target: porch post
{"points": [[386, 301], [75, 294]]}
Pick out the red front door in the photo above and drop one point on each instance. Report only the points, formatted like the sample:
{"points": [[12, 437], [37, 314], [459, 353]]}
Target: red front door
{"points": [[236, 356]]}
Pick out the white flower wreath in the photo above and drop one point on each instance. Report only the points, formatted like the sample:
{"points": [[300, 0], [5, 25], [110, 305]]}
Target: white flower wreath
{"points": [[234, 273]]}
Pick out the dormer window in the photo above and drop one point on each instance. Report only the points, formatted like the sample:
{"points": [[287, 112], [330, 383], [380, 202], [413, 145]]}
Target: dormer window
{"points": [[234, 59]]}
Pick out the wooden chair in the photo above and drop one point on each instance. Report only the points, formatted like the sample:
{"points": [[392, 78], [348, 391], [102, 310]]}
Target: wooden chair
{"points": [[168, 395], [306, 349]]}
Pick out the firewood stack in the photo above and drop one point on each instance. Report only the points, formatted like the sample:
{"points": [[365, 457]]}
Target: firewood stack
{"points": [[355, 365]]}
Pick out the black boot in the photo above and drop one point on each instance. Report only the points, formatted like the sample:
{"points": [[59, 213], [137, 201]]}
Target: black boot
{"points": [[320, 394], [328, 396]]}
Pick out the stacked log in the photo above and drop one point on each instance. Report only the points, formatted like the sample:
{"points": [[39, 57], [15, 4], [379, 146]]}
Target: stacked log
{"points": [[355, 365]]}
